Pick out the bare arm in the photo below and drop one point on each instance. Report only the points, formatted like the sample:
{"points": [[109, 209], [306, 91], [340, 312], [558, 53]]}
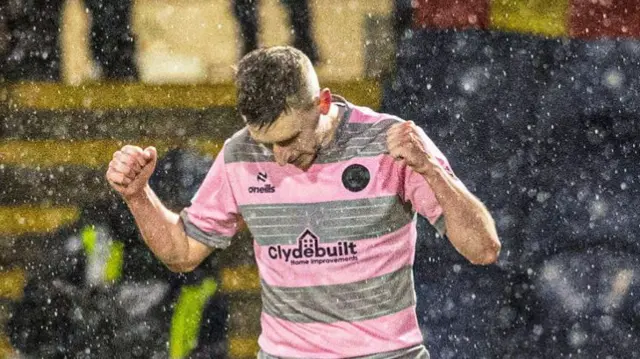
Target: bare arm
{"points": [[129, 172], [163, 231], [469, 226]]}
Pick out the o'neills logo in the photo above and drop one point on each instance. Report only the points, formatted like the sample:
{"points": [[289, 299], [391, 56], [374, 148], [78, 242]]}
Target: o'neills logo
{"points": [[264, 189], [267, 188], [311, 251]]}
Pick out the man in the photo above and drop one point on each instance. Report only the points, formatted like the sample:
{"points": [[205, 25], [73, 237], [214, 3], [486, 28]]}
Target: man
{"points": [[329, 191], [34, 52], [246, 12]]}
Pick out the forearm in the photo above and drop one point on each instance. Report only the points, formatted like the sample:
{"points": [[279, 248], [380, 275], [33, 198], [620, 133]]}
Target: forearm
{"points": [[469, 225], [161, 229]]}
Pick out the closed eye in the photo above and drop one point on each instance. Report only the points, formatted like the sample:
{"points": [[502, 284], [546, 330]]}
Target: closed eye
{"points": [[286, 143], [282, 143], [279, 144]]}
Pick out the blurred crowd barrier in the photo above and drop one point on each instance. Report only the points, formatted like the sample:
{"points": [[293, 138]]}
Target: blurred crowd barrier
{"points": [[178, 41], [571, 18], [536, 111]]}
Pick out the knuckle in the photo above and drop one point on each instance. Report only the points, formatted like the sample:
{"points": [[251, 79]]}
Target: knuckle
{"points": [[122, 157], [130, 149]]}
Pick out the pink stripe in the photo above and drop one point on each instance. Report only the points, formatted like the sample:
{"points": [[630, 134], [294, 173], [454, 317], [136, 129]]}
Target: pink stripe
{"points": [[341, 339], [422, 198], [213, 207], [324, 179], [376, 257], [367, 115]]}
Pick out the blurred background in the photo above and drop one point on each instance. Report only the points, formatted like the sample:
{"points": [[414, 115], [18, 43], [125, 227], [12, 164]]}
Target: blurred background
{"points": [[535, 102]]}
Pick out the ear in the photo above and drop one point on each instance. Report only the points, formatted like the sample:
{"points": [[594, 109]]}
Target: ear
{"points": [[324, 101]]}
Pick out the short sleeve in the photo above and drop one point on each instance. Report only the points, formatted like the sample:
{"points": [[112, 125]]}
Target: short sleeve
{"points": [[213, 217], [418, 191]]}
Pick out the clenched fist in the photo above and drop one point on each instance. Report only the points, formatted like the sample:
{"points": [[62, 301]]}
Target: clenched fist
{"points": [[130, 169], [407, 142]]}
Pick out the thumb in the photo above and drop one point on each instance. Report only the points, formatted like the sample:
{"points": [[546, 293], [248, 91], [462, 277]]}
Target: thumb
{"points": [[150, 154]]}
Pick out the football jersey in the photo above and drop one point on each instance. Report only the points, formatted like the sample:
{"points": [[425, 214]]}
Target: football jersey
{"points": [[334, 245]]}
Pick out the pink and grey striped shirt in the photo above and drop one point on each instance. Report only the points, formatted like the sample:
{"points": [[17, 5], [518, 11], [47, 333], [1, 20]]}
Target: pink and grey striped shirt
{"points": [[334, 245]]}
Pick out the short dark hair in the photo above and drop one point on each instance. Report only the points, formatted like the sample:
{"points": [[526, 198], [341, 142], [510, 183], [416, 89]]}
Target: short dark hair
{"points": [[270, 81]]}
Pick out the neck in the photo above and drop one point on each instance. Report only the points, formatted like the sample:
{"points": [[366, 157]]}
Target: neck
{"points": [[327, 126]]}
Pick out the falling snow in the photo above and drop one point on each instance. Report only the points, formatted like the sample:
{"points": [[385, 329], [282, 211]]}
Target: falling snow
{"points": [[544, 130]]}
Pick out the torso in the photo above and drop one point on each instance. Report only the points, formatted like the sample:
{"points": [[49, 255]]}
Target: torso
{"points": [[334, 245]]}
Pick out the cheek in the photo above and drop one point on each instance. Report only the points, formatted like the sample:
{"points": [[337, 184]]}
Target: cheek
{"points": [[306, 142]]}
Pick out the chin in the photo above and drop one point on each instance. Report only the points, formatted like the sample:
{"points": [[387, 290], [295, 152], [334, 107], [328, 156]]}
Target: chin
{"points": [[303, 164], [306, 168]]}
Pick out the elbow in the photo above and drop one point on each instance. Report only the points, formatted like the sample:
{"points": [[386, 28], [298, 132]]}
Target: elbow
{"points": [[486, 259], [490, 253], [180, 268], [183, 262]]}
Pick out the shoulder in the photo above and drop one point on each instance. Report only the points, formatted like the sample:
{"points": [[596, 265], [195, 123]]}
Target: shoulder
{"points": [[242, 148], [364, 134], [365, 120]]}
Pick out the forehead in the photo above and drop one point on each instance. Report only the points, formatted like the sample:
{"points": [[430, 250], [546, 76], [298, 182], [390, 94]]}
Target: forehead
{"points": [[283, 128]]}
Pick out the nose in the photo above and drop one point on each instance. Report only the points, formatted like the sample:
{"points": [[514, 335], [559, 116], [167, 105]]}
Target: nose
{"points": [[283, 155]]}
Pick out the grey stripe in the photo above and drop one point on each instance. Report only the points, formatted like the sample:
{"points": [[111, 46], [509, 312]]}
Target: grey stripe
{"points": [[330, 221], [441, 225], [415, 352], [242, 148], [207, 238], [358, 140], [356, 131], [353, 140], [368, 299]]}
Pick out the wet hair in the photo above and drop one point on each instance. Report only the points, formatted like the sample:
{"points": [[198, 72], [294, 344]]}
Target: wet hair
{"points": [[271, 81]]}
